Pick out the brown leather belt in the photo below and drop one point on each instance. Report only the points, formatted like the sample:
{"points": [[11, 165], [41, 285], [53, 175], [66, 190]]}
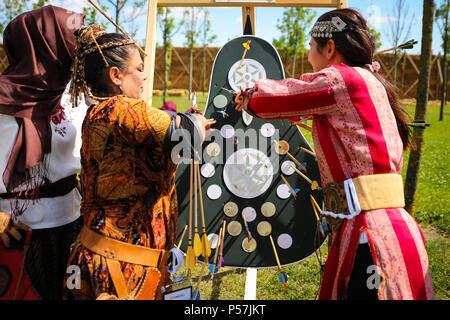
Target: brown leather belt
{"points": [[115, 251]]}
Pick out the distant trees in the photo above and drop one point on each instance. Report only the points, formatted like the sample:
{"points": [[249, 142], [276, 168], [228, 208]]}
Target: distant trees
{"points": [[206, 37], [168, 29], [294, 26], [400, 29], [12, 8], [191, 34]]}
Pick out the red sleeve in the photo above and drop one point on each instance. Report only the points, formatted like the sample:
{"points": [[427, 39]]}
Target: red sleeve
{"points": [[291, 98]]}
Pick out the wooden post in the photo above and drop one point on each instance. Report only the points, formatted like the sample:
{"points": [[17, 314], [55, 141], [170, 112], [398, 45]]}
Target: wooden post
{"points": [[342, 4], [252, 12], [150, 49]]}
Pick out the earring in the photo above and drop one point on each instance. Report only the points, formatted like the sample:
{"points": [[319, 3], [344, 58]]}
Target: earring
{"points": [[120, 88]]}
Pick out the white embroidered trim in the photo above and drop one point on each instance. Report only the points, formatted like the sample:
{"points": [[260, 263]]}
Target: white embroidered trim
{"points": [[352, 201]]}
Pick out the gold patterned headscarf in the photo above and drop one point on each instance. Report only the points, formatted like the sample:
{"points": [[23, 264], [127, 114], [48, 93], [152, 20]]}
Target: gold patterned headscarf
{"points": [[86, 44]]}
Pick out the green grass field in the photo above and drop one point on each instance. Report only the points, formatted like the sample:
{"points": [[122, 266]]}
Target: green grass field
{"points": [[432, 213]]}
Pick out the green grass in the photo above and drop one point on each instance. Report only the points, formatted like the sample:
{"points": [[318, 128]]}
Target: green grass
{"points": [[432, 213], [433, 191], [182, 102]]}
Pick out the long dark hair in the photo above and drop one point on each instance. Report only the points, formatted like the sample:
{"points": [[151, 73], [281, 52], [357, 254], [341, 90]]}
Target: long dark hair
{"points": [[357, 46]]}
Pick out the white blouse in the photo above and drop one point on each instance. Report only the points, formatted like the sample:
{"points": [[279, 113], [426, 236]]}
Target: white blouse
{"points": [[62, 161]]}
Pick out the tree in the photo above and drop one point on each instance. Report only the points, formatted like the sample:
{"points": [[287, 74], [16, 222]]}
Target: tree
{"points": [[12, 8], [126, 13], [293, 27], [442, 23], [400, 29], [206, 37], [191, 33], [376, 36], [412, 173], [93, 16], [167, 26]]}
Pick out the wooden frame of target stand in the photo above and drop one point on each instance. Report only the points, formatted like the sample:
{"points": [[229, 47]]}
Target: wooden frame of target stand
{"points": [[248, 7]]}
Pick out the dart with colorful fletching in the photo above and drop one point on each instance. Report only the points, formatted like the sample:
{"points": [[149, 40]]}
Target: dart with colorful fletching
{"points": [[213, 267], [281, 276], [221, 262]]}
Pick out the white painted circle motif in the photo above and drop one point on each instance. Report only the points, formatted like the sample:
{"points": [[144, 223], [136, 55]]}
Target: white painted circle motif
{"points": [[249, 213], [284, 241], [220, 101], [244, 77], [283, 191], [246, 118], [248, 173], [214, 192], [267, 130], [227, 131], [286, 167], [207, 170]]}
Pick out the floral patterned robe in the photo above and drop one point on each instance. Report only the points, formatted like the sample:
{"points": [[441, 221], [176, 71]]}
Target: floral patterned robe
{"points": [[355, 133], [128, 188]]}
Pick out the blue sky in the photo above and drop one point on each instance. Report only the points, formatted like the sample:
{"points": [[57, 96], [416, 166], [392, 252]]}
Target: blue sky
{"points": [[227, 22]]}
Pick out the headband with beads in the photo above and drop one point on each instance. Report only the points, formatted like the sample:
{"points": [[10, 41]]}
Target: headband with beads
{"points": [[325, 29], [88, 38]]}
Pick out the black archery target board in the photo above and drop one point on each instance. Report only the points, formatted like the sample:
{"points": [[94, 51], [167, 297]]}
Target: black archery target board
{"points": [[242, 166]]}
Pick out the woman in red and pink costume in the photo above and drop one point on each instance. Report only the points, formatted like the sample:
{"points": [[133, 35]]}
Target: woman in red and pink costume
{"points": [[359, 132]]}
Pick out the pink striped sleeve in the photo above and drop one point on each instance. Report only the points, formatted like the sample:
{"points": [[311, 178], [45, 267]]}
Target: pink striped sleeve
{"points": [[289, 98]]}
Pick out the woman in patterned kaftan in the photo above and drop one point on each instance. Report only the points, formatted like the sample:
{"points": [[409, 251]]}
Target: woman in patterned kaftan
{"points": [[127, 176]]}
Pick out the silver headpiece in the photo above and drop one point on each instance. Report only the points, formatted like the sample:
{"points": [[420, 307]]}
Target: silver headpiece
{"points": [[325, 29]]}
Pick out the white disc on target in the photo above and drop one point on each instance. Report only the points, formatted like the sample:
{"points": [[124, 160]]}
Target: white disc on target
{"points": [[246, 118], [284, 241], [227, 131], [214, 192], [286, 167], [213, 239], [220, 101], [207, 170], [244, 75], [283, 191], [267, 130], [250, 214], [248, 173]]}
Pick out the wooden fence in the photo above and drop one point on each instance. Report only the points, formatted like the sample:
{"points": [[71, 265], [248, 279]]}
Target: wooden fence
{"points": [[407, 70]]}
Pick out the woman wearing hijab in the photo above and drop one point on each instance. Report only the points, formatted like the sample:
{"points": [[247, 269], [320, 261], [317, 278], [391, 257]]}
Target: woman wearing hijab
{"points": [[38, 139]]}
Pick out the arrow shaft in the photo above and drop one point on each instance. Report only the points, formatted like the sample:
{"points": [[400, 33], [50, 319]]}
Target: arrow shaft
{"points": [[289, 186], [308, 151], [301, 174]]}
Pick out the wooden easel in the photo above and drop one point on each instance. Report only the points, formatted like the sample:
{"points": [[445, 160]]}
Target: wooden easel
{"points": [[247, 7]]}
